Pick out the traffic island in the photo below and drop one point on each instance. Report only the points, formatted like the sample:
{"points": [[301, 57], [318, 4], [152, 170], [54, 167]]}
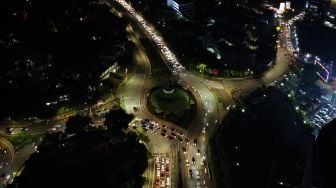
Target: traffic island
{"points": [[173, 104]]}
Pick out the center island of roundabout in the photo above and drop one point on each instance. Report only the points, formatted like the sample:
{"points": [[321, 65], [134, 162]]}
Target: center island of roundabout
{"points": [[173, 103]]}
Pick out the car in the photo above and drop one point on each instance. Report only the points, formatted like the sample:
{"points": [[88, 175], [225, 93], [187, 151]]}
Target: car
{"points": [[163, 134], [172, 129], [195, 142], [184, 150], [203, 161], [180, 133], [198, 184], [9, 130], [198, 152], [193, 160], [187, 163], [170, 137], [167, 181], [198, 174], [157, 181]]}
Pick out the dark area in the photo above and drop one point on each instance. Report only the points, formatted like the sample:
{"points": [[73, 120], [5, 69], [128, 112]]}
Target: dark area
{"points": [[88, 156], [326, 144], [53, 53], [317, 39], [262, 147]]}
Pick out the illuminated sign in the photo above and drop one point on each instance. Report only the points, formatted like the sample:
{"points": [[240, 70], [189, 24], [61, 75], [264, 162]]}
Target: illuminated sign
{"points": [[323, 70], [288, 5]]}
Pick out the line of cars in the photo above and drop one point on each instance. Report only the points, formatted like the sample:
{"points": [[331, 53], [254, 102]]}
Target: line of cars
{"points": [[195, 173], [155, 128], [173, 63], [291, 34], [11, 130], [162, 172]]}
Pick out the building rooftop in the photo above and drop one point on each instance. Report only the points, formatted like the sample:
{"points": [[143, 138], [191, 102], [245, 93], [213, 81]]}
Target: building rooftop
{"points": [[184, 1]]}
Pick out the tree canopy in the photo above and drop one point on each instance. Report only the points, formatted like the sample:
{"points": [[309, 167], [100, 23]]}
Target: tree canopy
{"points": [[117, 119], [77, 124], [95, 158]]}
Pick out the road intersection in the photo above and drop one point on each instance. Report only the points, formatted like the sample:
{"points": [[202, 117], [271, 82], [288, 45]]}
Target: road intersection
{"points": [[189, 167]]}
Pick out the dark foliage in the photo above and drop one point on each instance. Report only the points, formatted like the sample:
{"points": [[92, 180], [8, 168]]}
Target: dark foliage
{"points": [[94, 158], [50, 49], [326, 144], [268, 141], [77, 124], [117, 119]]}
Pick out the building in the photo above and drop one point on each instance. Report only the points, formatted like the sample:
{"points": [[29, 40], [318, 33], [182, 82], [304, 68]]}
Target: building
{"points": [[183, 8]]}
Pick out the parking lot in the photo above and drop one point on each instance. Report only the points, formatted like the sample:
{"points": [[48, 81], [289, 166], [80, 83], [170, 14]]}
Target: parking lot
{"points": [[323, 114], [316, 104]]}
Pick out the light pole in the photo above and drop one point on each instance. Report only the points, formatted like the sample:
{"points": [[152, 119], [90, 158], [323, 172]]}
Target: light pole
{"points": [[12, 122]]}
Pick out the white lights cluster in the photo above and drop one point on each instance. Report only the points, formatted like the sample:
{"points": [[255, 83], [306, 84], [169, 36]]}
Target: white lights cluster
{"points": [[289, 36]]}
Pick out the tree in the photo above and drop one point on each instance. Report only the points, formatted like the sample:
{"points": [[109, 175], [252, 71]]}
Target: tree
{"points": [[97, 158], [117, 119], [201, 67], [77, 124]]}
